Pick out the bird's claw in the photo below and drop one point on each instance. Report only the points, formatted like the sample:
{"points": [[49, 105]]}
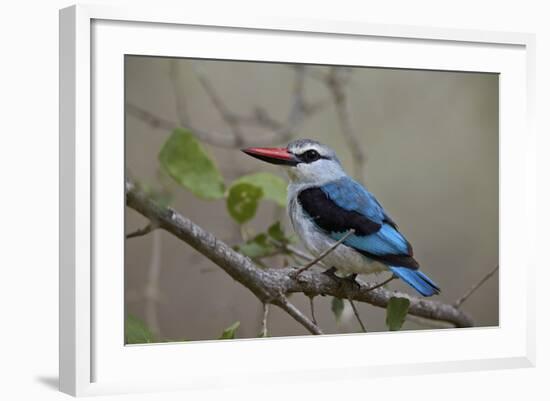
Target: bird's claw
{"points": [[331, 273], [350, 280]]}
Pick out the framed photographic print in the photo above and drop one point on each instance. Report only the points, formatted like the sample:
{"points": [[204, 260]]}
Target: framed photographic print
{"points": [[236, 191]]}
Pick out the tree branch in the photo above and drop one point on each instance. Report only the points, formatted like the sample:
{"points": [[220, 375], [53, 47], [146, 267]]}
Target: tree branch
{"points": [[152, 293], [463, 298], [337, 82], [179, 98], [356, 313], [293, 311], [141, 231], [263, 332], [312, 309], [236, 265], [230, 119], [154, 121], [271, 285], [279, 132]]}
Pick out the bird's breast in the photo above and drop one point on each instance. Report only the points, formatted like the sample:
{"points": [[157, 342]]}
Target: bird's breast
{"points": [[344, 258]]}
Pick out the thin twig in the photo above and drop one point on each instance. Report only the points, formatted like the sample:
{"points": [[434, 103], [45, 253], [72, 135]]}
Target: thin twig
{"points": [[302, 255], [383, 283], [263, 333], [142, 231], [228, 117], [181, 104], [280, 132], [428, 323], [297, 252], [298, 315], [152, 293], [325, 253], [151, 119], [463, 298], [312, 308], [244, 233], [356, 313], [291, 249], [337, 80]]}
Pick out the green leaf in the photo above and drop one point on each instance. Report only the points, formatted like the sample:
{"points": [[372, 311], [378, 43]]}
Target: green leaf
{"points": [[242, 201], [396, 311], [276, 232], [187, 162], [257, 248], [136, 331], [230, 332], [337, 306], [262, 245], [273, 186]]}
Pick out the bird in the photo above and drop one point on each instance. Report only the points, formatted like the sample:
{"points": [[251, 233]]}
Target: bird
{"points": [[326, 205]]}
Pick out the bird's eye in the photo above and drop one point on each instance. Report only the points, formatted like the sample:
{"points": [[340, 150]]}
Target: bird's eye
{"points": [[310, 156]]}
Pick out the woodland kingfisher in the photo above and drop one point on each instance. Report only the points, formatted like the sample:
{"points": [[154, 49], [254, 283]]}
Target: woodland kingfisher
{"points": [[326, 205]]}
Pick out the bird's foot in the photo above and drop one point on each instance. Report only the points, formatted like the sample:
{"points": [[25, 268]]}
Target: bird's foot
{"points": [[350, 280], [331, 273]]}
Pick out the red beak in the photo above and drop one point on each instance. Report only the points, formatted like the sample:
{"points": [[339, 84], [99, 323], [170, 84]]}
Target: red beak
{"points": [[273, 155]]}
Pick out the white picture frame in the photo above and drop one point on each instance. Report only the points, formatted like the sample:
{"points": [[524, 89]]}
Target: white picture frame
{"points": [[93, 358]]}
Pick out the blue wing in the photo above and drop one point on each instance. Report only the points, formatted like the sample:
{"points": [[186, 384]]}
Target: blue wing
{"points": [[344, 204]]}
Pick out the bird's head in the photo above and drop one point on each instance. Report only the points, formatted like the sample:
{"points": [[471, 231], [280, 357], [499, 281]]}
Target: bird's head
{"points": [[308, 161]]}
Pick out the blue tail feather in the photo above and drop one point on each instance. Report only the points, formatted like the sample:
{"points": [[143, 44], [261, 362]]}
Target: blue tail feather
{"points": [[416, 279]]}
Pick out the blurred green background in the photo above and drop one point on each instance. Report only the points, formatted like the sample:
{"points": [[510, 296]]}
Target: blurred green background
{"points": [[430, 145]]}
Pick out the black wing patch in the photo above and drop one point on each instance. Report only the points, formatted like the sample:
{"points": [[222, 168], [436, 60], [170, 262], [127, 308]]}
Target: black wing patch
{"points": [[332, 218]]}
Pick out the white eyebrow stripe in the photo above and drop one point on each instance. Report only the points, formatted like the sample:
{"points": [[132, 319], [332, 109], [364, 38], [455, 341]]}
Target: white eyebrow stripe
{"points": [[310, 146]]}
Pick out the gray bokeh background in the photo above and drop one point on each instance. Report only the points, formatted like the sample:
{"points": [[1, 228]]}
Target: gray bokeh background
{"points": [[431, 139]]}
